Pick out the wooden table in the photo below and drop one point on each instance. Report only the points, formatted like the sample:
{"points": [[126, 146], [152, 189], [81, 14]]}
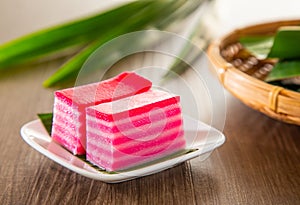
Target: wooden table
{"points": [[258, 164]]}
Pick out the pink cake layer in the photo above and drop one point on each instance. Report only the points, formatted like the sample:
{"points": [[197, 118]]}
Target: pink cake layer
{"points": [[123, 85], [69, 126], [130, 122], [142, 133], [133, 106], [136, 129], [123, 161], [135, 147]]}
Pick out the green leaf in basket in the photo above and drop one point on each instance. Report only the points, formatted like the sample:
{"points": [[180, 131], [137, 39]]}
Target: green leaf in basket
{"points": [[259, 46], [46, 119], [283, 70], [286, 43]]}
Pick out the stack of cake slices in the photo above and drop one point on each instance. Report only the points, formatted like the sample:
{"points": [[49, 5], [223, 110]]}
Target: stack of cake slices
{"points": [[118, 123]]}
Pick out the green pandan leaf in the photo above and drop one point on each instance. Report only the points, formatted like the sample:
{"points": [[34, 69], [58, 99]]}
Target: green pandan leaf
{"points": [[283, 70], [259, 46], [286, 43], [79, 32], [141, 19], [46, 119]]}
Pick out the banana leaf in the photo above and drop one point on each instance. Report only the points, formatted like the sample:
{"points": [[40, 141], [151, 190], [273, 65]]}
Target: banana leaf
{"points": [[283, 45], [283, 70], [286, 43], [46, 119], [259, 46]]}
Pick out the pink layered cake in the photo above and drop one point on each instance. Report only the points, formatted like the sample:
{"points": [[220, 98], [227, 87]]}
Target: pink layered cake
{"points": [[69, 117], [134, 130]]}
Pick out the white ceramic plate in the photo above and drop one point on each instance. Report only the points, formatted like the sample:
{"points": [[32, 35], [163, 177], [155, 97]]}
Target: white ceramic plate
{"points": [[201, 141]]}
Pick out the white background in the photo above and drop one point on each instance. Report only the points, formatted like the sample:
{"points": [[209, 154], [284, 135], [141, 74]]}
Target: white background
{"points": [[238, 13], [19, 17]]}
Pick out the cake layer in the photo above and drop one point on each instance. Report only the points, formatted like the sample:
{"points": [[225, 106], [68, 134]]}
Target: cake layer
{"points": [[132, 106], [138, 134], [123, 85], [69, 106], [135, 147], [137, 120], [123, 161], [66, 110], [133, 122], [119, 156], [67, 127], [69, 142]]}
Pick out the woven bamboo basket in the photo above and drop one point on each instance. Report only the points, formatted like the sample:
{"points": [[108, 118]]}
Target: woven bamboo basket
{"points": [[274, 101]]}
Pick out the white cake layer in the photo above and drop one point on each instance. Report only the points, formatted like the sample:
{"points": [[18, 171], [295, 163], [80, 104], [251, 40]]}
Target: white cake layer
{"points": [[162, 112], [129, 132], [133, 102], [119, 156], [65, 108], [128, 145]]}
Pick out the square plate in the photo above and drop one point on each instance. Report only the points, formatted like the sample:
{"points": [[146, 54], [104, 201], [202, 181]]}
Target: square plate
{"points": [[201, 139]]}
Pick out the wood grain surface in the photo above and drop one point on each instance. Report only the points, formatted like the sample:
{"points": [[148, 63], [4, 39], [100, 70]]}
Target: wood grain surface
{"points": [[258, 164]]}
